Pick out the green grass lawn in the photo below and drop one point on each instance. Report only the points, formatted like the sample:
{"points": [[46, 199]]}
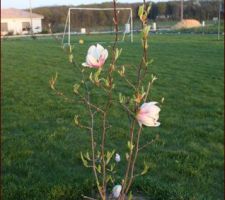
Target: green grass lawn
{"points": [[41, 145]]}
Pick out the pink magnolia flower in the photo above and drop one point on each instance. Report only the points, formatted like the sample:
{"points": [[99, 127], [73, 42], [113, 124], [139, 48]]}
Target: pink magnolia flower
{"points": [[148, 114], [96, 56]]}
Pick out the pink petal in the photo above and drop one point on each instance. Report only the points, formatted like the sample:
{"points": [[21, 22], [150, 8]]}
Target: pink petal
{"points": [[92, 62]]}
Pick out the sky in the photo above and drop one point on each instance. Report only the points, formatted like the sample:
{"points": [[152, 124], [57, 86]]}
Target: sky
{"points": [[38, 3]]}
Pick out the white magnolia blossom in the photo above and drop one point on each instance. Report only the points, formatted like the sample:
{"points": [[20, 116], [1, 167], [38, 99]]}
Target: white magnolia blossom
{"points": [[116, 191], [96, 56], [117, 157], [148, 114]]}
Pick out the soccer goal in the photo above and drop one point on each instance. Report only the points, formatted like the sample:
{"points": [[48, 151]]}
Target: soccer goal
{"points": [[81, 21]]}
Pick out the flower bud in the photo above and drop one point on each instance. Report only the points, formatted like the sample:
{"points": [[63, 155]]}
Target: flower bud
{"points": [[116, 191], [117, 157]]}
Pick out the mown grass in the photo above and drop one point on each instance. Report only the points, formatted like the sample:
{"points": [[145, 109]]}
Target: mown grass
{"points": [[41, 146]]}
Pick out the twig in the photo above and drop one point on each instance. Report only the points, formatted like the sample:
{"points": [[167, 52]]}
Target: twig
{"points": [[134, 160], [132, 127], [90, 104], [109, 102], [130, 83], [86, 197], [82, 126], [128, 110], [91, 113], [149, 143], [115, 23], [147, 92]]}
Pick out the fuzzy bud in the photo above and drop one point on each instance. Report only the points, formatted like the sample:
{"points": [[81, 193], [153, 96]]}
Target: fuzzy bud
{"points": [[117, 158], [116, 191]]}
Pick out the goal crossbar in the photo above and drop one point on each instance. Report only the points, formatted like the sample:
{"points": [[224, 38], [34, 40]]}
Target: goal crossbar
{"points": [[97, 9], [100, 9]]}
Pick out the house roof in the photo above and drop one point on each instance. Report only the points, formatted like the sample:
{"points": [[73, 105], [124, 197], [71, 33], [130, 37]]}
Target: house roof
{"points": [[17, 13]]}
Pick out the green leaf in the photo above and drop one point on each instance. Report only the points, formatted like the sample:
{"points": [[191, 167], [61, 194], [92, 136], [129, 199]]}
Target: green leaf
{"points": [[91, 77], [127, 156], [71, 58], [106, 82], [130, 196], [130, 146], [99, 168], [117, 53], [76, 88], [97, 74], [53, 81], [146, 168], [88, 156], [76, 120], [122, 71], [109, 156], [109, 178], [146, 30], [121, 98], [98, 154], [149, 8], [150, 62], [112, 166], [141, 11], [85, 162], [153, 78]]}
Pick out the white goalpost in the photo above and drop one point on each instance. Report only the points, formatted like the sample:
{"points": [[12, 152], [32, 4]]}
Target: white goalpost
{"points": [[127, 29]]}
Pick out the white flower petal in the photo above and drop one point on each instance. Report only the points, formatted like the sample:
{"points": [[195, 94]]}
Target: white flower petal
{"points": [[152, 108], [147, 121], [152, 103], [104, 54], [93, 52], [117, 157], [148, 104], [100, 48], [85, 65], [157, 124], [152, 114], [91, 49], [91, 61]]}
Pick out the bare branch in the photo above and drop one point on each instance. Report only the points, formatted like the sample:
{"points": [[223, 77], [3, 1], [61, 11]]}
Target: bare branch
{"points": [[147, 92], [128, 110], [86, 197], [149, 143]]}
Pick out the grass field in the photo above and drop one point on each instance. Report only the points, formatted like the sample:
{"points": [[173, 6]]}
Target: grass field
{"points": [[41, 146]]}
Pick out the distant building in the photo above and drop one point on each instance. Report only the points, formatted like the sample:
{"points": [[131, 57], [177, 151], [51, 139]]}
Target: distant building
{"points": [[15, 21]]}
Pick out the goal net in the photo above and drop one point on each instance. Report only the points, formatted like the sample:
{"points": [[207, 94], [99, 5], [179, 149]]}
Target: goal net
{"points": [[97, 21]]}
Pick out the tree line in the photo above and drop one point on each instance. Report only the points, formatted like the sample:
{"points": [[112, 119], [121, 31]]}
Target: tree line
{"points": [[56, 15]]}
